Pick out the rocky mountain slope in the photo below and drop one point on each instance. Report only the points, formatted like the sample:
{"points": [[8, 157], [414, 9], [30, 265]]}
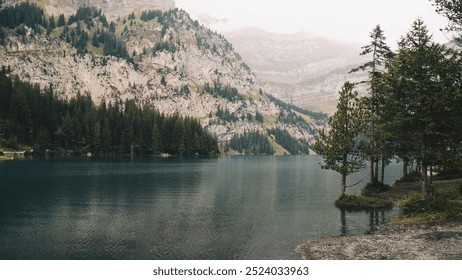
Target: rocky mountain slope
{"points": [[165, 59], [306, 70], [112, 8]]}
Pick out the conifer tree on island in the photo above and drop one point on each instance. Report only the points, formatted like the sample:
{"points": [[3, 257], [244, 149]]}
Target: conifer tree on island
{"points": [[376, 148], [340, 145]]}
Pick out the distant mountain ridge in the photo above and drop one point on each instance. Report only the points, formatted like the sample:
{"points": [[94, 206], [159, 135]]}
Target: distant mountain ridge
{"points": [[300, 68]]}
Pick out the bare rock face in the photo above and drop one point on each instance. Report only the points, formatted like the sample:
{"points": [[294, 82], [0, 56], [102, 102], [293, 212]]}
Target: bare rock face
{"points": [[305, 70], [172, 63]]}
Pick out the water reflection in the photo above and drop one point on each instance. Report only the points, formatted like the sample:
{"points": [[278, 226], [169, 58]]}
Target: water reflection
{"points": [[343, 222], [375, 219], [227, 208]]}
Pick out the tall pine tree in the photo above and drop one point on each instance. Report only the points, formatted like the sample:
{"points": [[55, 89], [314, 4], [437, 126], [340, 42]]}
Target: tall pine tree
{"points": [[423, 87], [376, 148], [340, 146]]}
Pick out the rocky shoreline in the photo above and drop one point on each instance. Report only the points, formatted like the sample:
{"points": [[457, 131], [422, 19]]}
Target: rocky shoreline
{"points": [[391, 242], [402, 239]]}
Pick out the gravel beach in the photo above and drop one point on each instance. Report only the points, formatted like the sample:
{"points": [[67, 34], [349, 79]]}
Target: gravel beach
{"points": [[391, 242]]}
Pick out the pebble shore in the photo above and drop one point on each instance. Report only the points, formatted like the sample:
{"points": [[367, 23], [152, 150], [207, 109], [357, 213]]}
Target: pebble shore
{"points": [[391, 242]]}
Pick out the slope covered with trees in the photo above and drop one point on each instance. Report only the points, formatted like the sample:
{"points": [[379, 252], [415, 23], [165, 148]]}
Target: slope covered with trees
{"points": [[41, 120], [163, 59]]}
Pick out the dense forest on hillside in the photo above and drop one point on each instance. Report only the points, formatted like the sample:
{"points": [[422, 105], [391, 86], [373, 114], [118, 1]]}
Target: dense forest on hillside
{"points": [[91, 34], [251, 143], [44, 121]]}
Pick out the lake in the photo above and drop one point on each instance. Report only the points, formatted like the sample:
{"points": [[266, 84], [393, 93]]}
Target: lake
{"points": [[150, 208]]}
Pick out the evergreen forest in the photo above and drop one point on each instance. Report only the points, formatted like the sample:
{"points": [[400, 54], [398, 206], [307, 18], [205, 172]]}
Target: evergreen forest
{"points": [[412, 112], [46, 122]]}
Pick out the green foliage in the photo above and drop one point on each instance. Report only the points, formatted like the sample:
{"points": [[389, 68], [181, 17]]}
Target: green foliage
{"points": [[373, 189], [423, 101], [289, 117], [449, 174], [86, 14], [411, 177], [430, 210], [377, 147], [41, 120], [227, 92], [340, 146], [259, 117], [360, 203], [292, 145], [317, 116], [226, 115], [113, 46], [23, 13], [79, 37], [452, 10], [251, 143], [151, 14]]}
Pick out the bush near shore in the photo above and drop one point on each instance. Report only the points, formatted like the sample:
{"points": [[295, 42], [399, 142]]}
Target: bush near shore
{"points": [[359, 203]]}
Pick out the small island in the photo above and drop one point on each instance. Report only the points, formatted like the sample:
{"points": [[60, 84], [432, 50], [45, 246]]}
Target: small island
{"points": [[422, 231], [409, 114]]}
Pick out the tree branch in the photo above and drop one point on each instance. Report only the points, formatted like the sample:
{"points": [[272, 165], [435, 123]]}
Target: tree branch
{"points": [[355, 184]]}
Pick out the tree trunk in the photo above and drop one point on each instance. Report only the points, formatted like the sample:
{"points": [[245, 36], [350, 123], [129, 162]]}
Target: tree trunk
{"points": [[376, 179], [425, 187], [430, 182], [371, 171], [343, 229], [343, 184], [132, 148], [382, 178], [405, 166]]}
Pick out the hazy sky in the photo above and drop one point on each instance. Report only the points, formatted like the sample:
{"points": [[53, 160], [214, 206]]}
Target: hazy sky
{"points": [[350, 20]]}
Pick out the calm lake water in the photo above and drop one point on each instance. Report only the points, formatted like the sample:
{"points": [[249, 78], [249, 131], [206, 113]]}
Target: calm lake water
{"points": [[221, 208]]}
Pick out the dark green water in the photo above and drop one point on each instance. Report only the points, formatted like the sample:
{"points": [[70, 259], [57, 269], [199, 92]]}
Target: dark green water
{"points": [[224, 208]]}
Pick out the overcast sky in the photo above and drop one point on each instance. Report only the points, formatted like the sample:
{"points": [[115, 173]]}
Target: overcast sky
{"points": [[350, 20]]}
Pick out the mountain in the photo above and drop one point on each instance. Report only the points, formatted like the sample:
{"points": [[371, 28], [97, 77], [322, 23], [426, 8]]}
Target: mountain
{"points": [[160, 58], [299, 68], [112, 8]]}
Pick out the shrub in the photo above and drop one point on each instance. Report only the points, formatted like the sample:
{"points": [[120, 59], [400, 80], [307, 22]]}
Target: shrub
{"points": [[358, 203], [431, 210], [372, 189], [411, 177]]}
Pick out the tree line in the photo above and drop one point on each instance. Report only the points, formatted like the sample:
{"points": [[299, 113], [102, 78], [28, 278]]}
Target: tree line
{"points": [[292, 145], [251, 143], [45, 121], [91, 26], [413, 111]]}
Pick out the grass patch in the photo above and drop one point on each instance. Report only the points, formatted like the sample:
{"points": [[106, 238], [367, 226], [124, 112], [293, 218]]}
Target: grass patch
{"points": [[372, 189], [359, 203], [443, 208]]}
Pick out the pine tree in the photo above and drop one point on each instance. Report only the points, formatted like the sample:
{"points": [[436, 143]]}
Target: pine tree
{"points": [[423, 98], [452, 10], [376, 146], [339, 146], [61, 20]]}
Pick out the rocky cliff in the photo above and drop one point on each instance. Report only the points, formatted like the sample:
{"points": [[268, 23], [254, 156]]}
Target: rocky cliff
{"points": [[163, 58]]}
